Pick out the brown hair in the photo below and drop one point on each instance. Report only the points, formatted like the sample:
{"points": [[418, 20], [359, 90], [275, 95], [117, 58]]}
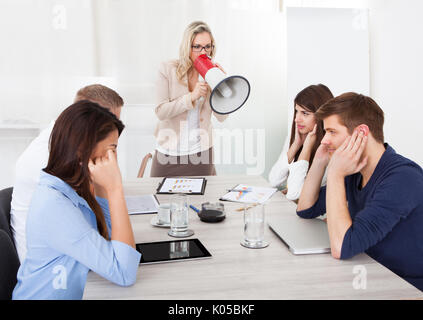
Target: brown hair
{"points": [[77, 131], [354, 109], [311, 98], [100, 94]]}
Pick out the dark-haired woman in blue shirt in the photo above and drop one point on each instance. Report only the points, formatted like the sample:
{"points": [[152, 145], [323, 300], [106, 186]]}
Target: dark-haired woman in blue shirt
{"points": [[78, 220]]}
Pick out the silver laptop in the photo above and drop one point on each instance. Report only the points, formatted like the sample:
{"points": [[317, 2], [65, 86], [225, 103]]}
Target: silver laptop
{"points": [[302, 236]]}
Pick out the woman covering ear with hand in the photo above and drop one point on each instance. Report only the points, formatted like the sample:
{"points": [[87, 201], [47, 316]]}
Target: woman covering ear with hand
{"points": [[301, 145], [78, 220]]}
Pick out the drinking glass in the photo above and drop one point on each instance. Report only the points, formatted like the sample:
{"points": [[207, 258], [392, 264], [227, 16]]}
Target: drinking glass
{"points": [[179, 217], [254, 226]]}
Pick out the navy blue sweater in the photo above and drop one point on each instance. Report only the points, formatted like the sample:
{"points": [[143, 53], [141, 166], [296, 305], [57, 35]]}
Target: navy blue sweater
{"points": [[387, 216]]}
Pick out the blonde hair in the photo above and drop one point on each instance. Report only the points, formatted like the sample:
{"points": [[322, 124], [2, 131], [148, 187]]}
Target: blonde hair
{"points": [[184, 62]]}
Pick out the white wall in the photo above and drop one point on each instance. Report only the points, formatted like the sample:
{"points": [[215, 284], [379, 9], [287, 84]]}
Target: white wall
{"points": [[328, 46], [46, 53], [396, 66], [46, 47], [54, 48], [396, 53], [135, 36], [50, 49]]}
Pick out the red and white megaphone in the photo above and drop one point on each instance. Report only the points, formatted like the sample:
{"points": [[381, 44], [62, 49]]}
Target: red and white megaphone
{"points": [[228, 93]]}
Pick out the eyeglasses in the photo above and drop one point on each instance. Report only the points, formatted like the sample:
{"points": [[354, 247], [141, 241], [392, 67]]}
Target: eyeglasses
{"points": [[198, 48]]}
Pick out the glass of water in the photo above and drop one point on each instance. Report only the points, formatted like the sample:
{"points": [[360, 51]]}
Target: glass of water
{"points": [[179, 217], [179, 249], [254, 227]]}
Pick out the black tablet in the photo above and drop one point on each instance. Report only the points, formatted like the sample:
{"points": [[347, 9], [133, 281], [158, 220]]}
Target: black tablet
{"points": [[174, 250]]}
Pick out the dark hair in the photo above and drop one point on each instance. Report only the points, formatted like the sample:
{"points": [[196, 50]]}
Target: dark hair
{"points": [[100, 94], [354, 109], [311, 98], [77, 131]]}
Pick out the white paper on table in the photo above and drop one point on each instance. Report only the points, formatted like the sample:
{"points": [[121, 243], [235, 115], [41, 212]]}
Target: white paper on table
{"points": [[255, 194], [142, 204]]}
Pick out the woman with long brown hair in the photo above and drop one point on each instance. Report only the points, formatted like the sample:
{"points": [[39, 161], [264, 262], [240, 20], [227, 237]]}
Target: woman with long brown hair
{"points": [[78, 220], [306, 134]]}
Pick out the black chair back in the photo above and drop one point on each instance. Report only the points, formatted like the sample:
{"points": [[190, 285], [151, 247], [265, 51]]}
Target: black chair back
{"points": [[9, 260], [5, 200]]}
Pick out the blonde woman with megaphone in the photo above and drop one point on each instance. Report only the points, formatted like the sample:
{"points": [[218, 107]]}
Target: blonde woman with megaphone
{"points": [[184, 145]]}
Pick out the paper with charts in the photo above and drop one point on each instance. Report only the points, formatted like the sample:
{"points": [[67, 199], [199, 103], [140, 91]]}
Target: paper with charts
{"points": [[250, 194], [182, 185]]}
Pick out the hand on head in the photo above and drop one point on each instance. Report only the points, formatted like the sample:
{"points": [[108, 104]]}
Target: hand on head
{"points": [[105, 171], [322, 155], [310, 139], [347, 159], [298, 139], [306, 141]]}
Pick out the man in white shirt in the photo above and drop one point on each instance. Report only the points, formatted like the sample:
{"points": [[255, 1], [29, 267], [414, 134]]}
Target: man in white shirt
{"points": [[35, 158]]}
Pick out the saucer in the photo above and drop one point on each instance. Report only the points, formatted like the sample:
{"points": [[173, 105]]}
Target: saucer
{"points": [[184, 234], [258, 245], [155, 222]]}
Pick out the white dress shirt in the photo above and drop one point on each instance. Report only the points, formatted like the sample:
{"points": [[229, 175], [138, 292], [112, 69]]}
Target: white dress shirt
{"points": [[27, 176], [290, 174], [189, 137]]}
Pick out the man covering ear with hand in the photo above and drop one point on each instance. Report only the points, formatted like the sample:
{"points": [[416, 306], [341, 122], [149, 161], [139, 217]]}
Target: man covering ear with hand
{"points": [[373, 195]]}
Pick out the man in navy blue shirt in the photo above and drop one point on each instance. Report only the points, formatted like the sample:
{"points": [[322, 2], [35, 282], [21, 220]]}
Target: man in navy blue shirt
{"points": [[374, 197]]}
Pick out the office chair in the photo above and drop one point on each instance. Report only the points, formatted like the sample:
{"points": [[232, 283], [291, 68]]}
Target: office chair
{"points": [[9, 260], [143, 165]]}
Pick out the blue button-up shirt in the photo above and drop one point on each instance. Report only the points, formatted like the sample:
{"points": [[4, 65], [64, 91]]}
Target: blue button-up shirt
{"points": [[64, 244]]}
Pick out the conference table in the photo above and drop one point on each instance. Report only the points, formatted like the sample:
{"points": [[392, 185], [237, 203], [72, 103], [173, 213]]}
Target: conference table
{"points": [[238, 273]]}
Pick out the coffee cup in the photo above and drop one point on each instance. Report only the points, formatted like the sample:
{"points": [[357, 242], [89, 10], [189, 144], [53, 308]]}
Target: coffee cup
{"points": [[163, 213]]}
